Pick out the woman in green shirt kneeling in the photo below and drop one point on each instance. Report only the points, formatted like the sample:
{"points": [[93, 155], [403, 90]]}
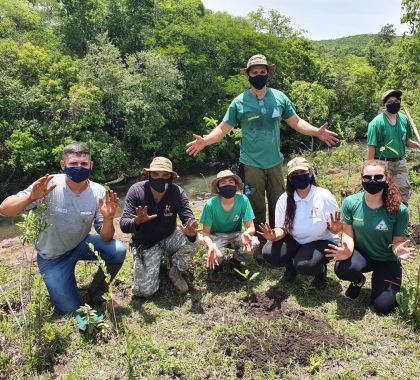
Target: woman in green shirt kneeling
{"points": [[374, 238]]}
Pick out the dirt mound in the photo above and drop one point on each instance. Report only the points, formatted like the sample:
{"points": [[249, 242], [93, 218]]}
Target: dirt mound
{"points": [[290, 337]]}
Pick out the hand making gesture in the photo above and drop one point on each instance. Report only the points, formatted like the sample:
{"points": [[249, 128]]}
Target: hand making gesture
{"points": [[266, 231], [141, 215], [41, 188], [212, 257], [338, 253], [327, 136], [196, 146], [108, 206], [335, 224], [403, 252], [246, 241], [190, 228]]}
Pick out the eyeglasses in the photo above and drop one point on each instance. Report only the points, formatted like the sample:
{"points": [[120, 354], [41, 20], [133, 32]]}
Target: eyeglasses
{"points": [[261, 104], [373, 177]]}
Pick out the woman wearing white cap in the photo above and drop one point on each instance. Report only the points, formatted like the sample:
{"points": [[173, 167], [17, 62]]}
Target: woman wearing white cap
{"points": [[306, 221]]}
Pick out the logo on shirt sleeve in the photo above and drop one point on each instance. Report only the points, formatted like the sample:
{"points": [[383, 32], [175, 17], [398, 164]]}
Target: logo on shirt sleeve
{"points": [[382, 226]]}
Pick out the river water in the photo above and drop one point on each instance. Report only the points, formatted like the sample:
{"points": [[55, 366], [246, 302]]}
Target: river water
{"points": [[195, 186]]}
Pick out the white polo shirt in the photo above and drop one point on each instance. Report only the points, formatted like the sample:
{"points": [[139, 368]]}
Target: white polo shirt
{"points": [[312, 215]]}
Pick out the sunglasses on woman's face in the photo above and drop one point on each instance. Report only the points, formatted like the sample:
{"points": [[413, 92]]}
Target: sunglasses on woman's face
{"points": [[373, 177]]}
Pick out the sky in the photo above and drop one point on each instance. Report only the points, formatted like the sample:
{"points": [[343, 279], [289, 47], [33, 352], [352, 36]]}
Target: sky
{"points": [[324, 19]]}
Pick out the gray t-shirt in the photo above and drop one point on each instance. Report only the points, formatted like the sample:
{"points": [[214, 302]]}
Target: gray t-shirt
{"points": [[70, 216]]}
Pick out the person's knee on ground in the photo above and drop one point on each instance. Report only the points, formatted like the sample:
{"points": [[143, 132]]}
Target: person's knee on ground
{"points": [[144, 291], [384, 303], [64, 294]]}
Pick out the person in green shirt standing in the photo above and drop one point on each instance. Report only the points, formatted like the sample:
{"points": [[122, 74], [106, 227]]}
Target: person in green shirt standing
{"points": [[222, 219], [374, 238], [259, 112], [388, 135]]}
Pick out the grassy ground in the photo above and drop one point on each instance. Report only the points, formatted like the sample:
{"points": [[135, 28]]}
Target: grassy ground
{"points": [[219, 330]]}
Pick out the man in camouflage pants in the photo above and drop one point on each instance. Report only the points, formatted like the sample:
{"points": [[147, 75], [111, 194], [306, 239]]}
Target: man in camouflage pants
{"points": [[150, 212]]}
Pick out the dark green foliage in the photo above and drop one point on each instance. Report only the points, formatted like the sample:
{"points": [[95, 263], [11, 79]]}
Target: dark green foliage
{"points": [[134, 79], [340, 47]]}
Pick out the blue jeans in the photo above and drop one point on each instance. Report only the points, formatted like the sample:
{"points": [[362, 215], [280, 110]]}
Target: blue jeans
{"points": [[59, 277]]}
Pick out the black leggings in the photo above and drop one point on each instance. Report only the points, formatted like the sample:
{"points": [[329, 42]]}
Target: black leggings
{"points": [[307, 259], [386, 278]]}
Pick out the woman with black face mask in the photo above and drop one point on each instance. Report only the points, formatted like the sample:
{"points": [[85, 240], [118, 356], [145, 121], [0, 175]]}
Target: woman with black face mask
{"points": [[307, 220], [222, 219], [374, 238]]}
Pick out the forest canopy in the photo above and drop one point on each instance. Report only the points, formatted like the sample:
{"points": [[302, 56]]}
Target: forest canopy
{"points": [[135, 78]]}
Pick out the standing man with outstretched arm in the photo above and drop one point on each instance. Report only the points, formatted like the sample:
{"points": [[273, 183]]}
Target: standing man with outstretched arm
{"points": [[259, 111], [73, 203]]}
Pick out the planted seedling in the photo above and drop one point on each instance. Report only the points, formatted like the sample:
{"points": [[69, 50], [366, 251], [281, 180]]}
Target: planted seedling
{"points": [[248, 277]]}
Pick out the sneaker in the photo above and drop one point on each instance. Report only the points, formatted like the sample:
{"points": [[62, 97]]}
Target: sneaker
{"points": [[320, 280], [176, 278], [290, 274], [353, 291]]}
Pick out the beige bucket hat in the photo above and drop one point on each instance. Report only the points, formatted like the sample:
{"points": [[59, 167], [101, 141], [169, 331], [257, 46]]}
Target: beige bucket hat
{"points": [[225, 174], [259, 59], [297, 163], [387, 94], [160, 164]]}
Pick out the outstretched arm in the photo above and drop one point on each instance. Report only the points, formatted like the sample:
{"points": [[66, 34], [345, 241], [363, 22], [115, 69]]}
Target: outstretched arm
{"points": [[14, 204], [323, 133], [199, 142]]}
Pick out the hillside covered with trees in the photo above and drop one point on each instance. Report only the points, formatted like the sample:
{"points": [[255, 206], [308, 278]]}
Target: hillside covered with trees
{"points": [[135, 78]]}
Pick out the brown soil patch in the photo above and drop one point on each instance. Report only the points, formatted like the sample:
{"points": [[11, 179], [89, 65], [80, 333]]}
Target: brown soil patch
{"points": [[415, 236], [265, 306], [278, 344]]}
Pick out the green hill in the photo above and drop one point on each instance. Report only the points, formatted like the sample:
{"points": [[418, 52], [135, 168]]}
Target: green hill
{"points": [[341, 47]]}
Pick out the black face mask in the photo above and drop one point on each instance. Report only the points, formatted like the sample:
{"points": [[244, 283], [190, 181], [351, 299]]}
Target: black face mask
{"points": [[374, 187], [227, 191], [160, 184], [258, 81], [393, 107]]}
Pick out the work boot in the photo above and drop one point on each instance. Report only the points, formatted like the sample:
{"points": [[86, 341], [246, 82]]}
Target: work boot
{"points": [[98, 286], [320, 280], [176, 278], [290, 273]]}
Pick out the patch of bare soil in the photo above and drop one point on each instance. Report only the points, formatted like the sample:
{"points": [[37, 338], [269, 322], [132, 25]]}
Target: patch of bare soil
{"points": [[265, 306], [415, 235], [292, 342]]}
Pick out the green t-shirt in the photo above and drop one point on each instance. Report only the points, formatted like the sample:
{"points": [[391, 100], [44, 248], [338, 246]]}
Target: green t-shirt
{"points": [[260, 123], [381, 133], [215, 217], [374, 228]]}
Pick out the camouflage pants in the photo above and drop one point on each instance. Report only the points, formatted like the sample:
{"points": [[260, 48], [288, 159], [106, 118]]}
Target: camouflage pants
{"points": [[399, 172], [147, 261], [232, 240]]}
